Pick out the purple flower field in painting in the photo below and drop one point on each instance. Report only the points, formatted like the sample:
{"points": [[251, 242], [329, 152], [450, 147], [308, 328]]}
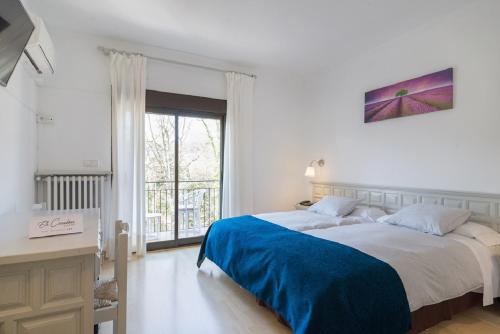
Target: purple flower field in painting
{"points": [[421, 95]]}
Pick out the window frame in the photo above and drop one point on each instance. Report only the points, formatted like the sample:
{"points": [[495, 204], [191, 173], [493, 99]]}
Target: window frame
{"points": [[179, 105]]}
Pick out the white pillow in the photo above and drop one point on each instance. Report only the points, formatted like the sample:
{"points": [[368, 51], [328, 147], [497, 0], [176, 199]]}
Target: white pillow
{"points": [[335, 206], [429, 218], [368, 212], [383, 218], [485, 235]]}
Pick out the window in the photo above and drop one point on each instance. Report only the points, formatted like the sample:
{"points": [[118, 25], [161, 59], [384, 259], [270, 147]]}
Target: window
{"points": [[184, 138]]}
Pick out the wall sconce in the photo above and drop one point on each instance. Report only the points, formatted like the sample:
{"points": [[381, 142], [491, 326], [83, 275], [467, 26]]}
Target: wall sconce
{"points": [[310, 171]]}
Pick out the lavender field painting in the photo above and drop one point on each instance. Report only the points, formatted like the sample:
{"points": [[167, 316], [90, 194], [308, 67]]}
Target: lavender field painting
{"points": [[421, 95]]}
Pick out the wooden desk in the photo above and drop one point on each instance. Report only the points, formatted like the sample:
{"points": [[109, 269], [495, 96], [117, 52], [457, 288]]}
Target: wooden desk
{"points": [[46, 284]]}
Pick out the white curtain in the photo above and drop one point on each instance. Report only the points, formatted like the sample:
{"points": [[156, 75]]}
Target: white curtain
{"points": [[237, 191], [128, 93]]}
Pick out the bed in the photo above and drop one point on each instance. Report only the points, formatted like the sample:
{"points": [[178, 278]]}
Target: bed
{"points": [[356, 276]]}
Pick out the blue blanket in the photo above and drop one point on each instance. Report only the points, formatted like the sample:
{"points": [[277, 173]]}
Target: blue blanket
{"points": [[317, 286]]}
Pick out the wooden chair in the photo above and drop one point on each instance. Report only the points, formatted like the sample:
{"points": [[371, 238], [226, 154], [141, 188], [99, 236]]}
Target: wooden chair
{"points": [[191, 205], [110, 296]]}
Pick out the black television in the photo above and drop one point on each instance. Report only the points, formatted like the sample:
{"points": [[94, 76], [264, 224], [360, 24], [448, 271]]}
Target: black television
{"points": [[15, 31]]}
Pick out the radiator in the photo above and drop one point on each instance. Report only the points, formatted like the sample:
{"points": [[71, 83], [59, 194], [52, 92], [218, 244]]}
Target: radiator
{"points": [[72, 192]]}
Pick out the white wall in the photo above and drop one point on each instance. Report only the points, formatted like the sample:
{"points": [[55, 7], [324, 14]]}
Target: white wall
{"points": [[79, 99], [17, 142], [455, 150], [280, 141]]}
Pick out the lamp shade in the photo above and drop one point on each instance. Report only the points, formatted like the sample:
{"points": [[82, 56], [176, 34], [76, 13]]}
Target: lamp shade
{"points": [[310, 172]]}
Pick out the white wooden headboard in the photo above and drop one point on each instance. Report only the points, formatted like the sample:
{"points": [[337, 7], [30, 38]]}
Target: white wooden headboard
{"points": [[485, 207]]}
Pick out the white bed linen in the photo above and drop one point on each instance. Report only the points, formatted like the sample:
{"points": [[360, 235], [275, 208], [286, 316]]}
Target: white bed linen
{"points": [[302, 220], [432, 268], [489, 263]]}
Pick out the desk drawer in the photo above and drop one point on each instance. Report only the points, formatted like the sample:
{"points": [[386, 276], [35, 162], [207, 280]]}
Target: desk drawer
{"points": [[15, 291], [64, 323], [53, 296], [61, 282]]}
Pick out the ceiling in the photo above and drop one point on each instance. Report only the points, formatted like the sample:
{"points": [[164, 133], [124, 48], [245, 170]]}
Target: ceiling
{"points": [[300, 35]]}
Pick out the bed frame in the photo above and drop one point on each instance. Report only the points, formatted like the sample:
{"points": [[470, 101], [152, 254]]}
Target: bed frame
{"points": [[427, 316], [485, 209]]}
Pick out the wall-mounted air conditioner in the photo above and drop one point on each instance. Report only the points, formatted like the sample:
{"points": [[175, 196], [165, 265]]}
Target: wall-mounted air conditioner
{"points": [[40, 50]]}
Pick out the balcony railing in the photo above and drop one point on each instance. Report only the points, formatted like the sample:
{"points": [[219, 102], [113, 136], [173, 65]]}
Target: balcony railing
{"points": [[199, 206]]}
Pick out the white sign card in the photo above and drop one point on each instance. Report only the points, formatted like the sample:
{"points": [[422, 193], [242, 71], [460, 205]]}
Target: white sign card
{"points": [[55, 224]]}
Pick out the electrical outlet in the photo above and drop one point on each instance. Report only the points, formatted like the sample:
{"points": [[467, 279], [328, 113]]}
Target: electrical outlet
{"points": [[91, 163], [45, 119]]}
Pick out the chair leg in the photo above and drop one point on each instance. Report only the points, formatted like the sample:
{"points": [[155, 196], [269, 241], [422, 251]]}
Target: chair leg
{"points": [[96, 329], [115, 326]]}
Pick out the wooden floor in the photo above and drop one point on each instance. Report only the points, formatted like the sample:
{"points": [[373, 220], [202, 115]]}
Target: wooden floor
{"points": [[168, 294]]}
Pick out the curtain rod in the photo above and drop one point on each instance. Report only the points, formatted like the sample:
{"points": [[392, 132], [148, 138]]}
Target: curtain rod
{"points": [[107, 51]]}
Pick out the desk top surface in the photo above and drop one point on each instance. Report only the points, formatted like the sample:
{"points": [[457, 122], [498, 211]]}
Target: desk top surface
{"points": [[16, 247]]}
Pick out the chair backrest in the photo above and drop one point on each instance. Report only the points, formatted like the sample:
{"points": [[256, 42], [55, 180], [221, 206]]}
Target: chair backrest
{"points": [[192, 198], [198, 197], [121, 260], [121, 247]]}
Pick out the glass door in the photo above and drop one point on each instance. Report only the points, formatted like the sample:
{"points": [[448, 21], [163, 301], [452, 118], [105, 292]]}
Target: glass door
{"points": [[160, 171], [199, 175], [183, 165]]}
